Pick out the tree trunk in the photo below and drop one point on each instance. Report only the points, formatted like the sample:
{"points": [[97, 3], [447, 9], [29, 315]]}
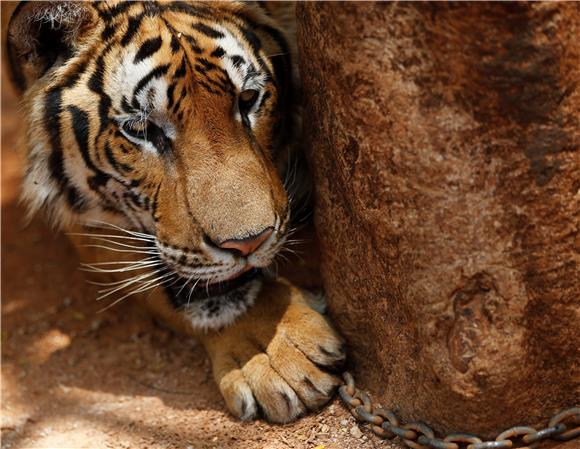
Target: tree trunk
{"points": [[444, 143]]}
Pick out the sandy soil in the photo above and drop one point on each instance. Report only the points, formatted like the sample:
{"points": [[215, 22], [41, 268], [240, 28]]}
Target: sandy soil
{"points": [[73, 377]]}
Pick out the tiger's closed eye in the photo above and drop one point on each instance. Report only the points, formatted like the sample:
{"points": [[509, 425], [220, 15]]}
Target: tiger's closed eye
{"points": [[147, 131], [247, 99], [137, 129]]}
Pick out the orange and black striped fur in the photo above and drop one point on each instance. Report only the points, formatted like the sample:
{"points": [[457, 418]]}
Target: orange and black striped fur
{"points": [[166, 131]]}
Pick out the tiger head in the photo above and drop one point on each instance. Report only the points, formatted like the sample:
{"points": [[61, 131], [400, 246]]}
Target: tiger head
{"points": [[169, 120]]}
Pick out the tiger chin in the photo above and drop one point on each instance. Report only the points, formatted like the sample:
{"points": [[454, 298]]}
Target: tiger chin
{"points": [[162, 134]]}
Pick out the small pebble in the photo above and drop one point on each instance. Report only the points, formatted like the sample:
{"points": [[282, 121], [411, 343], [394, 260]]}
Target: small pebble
{"points": [[355, 431]]}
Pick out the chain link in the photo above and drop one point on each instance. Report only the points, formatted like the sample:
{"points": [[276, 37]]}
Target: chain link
{"points": [[563, 426]]}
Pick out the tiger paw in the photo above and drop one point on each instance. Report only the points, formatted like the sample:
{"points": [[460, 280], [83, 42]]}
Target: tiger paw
{"points": [[275, 360]]}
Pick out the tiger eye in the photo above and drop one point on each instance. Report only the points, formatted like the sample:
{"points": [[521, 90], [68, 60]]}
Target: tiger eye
{"points": [[247, 99], [136, 129]]}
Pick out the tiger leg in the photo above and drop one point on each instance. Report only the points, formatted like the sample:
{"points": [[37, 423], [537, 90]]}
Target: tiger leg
{"points": [[276, 358]]}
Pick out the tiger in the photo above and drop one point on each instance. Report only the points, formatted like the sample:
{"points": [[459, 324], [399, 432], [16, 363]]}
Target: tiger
{"points": [[167, 131]]}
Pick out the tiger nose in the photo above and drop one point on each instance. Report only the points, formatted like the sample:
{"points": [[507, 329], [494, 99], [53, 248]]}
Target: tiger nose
{"points": [[249, 244]]}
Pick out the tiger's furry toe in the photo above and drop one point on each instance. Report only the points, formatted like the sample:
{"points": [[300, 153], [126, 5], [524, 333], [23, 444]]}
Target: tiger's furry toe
{"points": [[276, 359]]}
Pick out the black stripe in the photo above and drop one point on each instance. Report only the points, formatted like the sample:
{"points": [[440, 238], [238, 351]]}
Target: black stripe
{"points": [[104, 108], [52, 111], [147, 49], [108, 32], [80, 124], [155, 203], [170, 92], [134, 199], [221, 86], [193, 44], [227, 83], [218, 53], [208, 65], [152, 9], [110, 13], [175, 46], [180, 72], [96, 85], [207, 30], [265, 98], [96, 182], [72, 78], [76, 200], [132, 28], [118, 166], [207, 87], [126, 106], [178, 102], [200, 69], [252, 40], [238, 60], [194, 11], [157, 72]]}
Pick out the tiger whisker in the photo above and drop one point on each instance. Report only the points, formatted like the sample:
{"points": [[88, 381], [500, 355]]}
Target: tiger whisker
{"points": [[120, 250], [295, 241], [153, 287], [289, 250], [177, 278], [191, 291], [110, 225], [111, 285], [132, 292], [283, 256], [143, 286], [184, 284], [124, 237], [91, 269], [107, 292], [108, 284], [122, 245], [122, 262]]}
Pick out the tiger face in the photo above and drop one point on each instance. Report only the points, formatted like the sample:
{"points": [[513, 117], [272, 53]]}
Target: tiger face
{"points": [[169, 120]]}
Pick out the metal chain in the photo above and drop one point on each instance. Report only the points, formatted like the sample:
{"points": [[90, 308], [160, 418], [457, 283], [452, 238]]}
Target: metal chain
{"points": [[563, 426]]}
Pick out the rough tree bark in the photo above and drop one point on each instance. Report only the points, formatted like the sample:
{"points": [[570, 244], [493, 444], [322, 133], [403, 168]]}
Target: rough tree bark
{"points": [[445, 141]]}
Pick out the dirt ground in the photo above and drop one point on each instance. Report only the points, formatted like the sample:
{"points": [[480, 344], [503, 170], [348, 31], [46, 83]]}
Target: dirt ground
{"points": [[73, 377]]}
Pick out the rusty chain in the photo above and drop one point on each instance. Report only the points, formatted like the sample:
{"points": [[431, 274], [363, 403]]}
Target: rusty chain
{"points": [[563, 426]]}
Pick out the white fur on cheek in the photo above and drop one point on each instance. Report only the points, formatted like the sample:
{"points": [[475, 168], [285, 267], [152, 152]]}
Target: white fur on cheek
{"points": [[125, 77]]}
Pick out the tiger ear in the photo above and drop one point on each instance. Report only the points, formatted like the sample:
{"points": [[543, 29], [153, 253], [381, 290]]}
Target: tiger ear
{"points": [[42, 36]]}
